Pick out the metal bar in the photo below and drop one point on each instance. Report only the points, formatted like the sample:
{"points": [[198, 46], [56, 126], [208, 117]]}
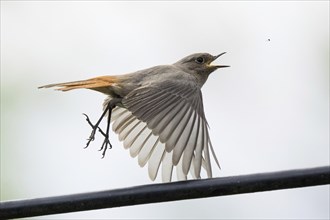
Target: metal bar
{"points": [[153, 193]]}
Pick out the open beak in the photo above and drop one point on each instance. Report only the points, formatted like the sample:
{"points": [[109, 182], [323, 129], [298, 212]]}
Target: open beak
{"points": [[216, 57]]}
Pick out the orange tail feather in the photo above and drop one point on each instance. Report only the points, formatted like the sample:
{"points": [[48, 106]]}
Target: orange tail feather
{"points": [[95, 83]]}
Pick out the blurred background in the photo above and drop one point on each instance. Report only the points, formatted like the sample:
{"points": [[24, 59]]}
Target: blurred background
{"points": [[268, 112]]}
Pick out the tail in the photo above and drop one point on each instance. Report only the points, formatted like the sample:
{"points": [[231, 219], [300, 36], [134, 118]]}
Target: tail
{"points": [[97, 83]]}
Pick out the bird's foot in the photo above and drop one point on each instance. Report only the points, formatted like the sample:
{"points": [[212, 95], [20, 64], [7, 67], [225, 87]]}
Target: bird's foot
{"points": [[92, 135], [106, 143]]}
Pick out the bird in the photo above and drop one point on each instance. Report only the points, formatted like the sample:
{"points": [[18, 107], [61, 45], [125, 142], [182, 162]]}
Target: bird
{"points": [[158, 114]]}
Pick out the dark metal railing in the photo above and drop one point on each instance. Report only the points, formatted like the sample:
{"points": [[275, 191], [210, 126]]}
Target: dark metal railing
{"points": [[165, 192]]}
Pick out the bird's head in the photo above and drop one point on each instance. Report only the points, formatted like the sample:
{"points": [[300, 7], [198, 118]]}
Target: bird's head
{"points": [[199, 63]]}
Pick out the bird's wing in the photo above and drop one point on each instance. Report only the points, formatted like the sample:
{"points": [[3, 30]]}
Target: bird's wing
{"points": [[165, 126]]}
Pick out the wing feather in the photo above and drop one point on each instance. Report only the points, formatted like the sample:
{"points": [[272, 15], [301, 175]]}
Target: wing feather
{"points": [[129, 131], [165, 126], [158, 124], [138, 141], [198, 151], [167, 167], [179, 126], [167, 135], [155, 160], [192, 169], [154, 109], [142, 108], [122, 118], [117, 112], [147, 150], [179, 172], [191, 146], [207, 155], [184, 138]]}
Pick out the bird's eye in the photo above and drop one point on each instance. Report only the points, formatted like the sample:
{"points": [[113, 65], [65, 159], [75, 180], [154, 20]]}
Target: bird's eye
{"points": [[199, 60]]}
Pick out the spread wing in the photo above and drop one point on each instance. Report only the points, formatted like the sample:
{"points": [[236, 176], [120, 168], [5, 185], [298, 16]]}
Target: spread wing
{"points": [[165, 126]]}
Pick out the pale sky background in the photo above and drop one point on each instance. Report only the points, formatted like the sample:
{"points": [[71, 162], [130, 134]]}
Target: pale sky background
{"points": [[268, 112]]}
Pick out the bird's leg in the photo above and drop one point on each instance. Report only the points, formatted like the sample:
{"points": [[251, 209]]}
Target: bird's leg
{"points": [[109, 108], [106, 141], [92, 135]]}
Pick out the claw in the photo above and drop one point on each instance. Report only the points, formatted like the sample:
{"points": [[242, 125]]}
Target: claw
{"points": [[104, 147], [90, 139], [89, 122]]}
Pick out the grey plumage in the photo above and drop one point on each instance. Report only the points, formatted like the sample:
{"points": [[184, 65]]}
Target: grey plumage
{"points": [[160, 115]]}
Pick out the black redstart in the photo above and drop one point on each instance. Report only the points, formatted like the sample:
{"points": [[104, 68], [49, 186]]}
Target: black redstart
{"points": [[158, 113]]}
